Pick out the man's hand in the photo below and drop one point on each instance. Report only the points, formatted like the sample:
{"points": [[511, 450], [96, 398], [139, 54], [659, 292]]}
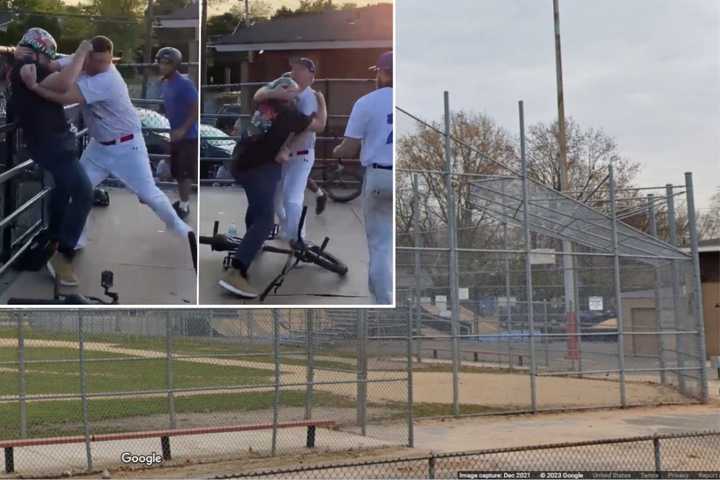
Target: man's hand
{"points": [[177, 134], [28, 74], [320, 97], [84, 48], [283, 156]]}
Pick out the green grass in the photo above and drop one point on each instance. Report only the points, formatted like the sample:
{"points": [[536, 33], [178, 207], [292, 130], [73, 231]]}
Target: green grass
{"points": [[118, 374], [43, 417]]}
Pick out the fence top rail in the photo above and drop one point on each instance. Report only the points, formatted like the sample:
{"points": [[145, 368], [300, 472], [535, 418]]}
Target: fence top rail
{"points": [[259, 84], [469, 453]]}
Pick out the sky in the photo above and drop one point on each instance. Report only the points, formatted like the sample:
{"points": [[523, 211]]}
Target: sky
{"points": [[645, 71]]}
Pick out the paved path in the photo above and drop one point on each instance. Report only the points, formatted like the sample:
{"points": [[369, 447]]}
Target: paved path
{"points": [[151, 265], [309, 285]]}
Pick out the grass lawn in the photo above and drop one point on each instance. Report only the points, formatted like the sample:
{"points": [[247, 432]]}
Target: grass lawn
{"points": [[58, 418], [116, 373], [257, 352]]}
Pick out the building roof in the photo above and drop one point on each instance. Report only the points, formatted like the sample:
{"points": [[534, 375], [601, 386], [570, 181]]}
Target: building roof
{"points": [[186, 17], [364, 27]]}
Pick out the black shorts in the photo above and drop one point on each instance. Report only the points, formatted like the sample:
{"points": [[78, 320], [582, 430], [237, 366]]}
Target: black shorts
{"points": [[184, 159]]}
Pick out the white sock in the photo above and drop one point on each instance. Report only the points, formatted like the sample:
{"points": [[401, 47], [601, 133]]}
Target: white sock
{"points": [[320, 192], [184, 205]]}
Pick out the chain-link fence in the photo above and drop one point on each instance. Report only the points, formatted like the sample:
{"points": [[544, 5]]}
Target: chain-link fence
{"points": [[81, 388], [657, 454], [529, 299]]}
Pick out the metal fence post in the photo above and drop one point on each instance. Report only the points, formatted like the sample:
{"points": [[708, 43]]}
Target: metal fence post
{"points": [[697, 286], [547, 338], [658, 297], [618, 294], [83, 391], [679, 341], [169, 374], [362, 371], [310, 369], [20, 316], [276, 360], [411, 428], [453, 262], [417, 242], [508, 304], [528, 261], [656, 450]]}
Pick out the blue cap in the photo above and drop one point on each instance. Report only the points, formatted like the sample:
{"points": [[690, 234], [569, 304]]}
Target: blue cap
{"points": [[384, 62], [306, 62]]}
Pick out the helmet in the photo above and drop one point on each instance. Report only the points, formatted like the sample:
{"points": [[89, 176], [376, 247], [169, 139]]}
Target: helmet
{"points": [[40, 41], [169, 54], [282, 83]]}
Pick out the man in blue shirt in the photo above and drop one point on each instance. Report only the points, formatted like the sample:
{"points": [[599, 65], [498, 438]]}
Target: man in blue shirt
{"points": [[181, 107]]}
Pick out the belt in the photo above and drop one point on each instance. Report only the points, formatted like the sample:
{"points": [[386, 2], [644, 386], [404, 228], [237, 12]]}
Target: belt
{"points": [[384, 167], [301, 152], [125, 138]]}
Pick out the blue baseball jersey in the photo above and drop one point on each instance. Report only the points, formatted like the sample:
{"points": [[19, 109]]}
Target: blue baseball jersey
{"points": [[180, 96]]}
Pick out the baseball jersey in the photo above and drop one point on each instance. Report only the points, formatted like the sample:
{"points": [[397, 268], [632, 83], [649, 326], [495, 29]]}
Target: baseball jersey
{"points": [[179, 96], [371, 122], [108, 112], [307, 104]]}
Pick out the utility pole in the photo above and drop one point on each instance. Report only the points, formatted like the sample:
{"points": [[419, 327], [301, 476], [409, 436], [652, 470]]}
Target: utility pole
{"points": [[247, 13], [149, 16], [567, 258], [203, 45], [560, 100]]}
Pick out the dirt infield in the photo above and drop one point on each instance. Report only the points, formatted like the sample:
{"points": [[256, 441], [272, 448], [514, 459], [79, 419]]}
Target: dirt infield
{"points": [[492, 390]]}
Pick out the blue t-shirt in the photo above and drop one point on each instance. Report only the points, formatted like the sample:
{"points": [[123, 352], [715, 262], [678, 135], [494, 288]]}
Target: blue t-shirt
{"points": [[180, 95]]}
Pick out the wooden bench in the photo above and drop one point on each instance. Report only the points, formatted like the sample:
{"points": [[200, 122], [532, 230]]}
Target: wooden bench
{"points": [[9, 446]]}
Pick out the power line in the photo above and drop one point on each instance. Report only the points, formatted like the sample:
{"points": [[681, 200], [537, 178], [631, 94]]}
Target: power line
{"points": [[126, 20]]}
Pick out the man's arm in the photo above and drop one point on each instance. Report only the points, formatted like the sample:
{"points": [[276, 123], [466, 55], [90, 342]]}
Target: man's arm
{"points": [[348, 148], [67, 97], [180, 132], [320, 121], [62, 80], [284, 154], [263, 94], [354, 132]]}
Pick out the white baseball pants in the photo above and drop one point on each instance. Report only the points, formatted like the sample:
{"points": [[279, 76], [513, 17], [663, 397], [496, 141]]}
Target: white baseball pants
{"points": [[129, 162], [290, 198], [377, 199]]}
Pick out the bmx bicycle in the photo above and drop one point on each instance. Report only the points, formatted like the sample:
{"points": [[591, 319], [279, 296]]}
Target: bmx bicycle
{"points": [[342, 181], [106, 282], [300, 251]]}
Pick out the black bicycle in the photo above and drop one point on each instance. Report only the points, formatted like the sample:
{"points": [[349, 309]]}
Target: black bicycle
{"points": [[106, 282], [300, 251], [342, 181]]}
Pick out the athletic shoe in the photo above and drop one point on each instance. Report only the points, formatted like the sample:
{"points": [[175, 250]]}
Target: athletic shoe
{"points": [[61, 270], [320, 203], [192, 240], [235, 283], [182, 212]]}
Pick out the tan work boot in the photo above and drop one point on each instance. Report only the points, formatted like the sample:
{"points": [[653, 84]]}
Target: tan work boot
{"points": [[61, 270], [235, 283]]}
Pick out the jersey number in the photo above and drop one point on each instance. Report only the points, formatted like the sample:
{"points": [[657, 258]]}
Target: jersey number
{"points": [[390, 122]]}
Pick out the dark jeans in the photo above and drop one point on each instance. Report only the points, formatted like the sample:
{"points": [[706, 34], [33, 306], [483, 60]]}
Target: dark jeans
{"points": [[71, 197], [260, 184]]}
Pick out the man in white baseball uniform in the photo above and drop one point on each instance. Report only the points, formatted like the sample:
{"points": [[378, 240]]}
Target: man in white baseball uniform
{"points": [[116, 146], [291, 194], [369, 132]]}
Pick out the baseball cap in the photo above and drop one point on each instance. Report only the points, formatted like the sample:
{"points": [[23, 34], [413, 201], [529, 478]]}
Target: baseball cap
{"points": [[384, 62], [306, 62]]}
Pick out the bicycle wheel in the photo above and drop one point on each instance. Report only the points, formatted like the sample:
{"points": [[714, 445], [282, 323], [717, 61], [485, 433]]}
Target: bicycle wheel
{"points": [[325, 260], [343, 184]]}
